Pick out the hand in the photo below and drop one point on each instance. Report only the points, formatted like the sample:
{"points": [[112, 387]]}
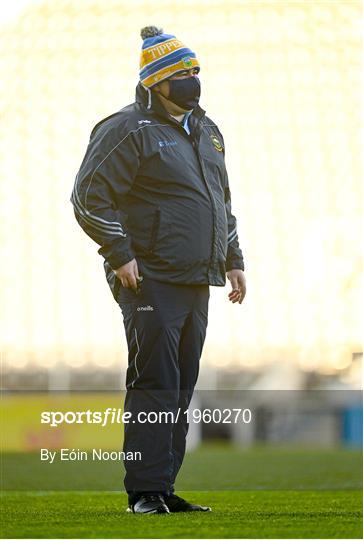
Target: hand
{"points": [[238, 282], [128, 274]]}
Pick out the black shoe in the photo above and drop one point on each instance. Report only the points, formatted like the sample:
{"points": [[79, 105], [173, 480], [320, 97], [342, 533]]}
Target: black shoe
{"points": [[177, 504], [149, 504]]}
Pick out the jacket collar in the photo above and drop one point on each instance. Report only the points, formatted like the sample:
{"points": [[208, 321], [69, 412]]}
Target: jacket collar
{"points": [[151, 102]]}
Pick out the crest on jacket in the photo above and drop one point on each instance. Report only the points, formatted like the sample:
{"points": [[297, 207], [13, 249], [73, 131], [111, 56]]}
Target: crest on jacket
{"points": [[217, 145]]}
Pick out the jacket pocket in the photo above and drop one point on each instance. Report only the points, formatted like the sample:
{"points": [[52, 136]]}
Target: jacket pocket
{"points": [[154, 230]]}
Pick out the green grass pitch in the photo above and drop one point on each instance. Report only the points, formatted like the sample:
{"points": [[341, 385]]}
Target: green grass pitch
{"points": [[254, 494]]}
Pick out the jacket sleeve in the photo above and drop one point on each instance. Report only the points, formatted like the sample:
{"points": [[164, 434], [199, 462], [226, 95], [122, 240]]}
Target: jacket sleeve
{"points": [[106, 175], [234, 252]]}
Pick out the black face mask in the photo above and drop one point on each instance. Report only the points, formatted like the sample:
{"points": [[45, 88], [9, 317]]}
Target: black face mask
{"points": [[184, 92]]}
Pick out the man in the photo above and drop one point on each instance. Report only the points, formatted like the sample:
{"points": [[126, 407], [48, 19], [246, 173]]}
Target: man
{"points": [[153, 192]]}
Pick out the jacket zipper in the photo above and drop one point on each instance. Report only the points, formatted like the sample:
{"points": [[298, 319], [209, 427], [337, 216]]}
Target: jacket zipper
{"points": [[194, 145], [213, 258]]}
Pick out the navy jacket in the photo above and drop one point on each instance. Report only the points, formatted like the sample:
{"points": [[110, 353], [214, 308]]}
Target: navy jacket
{"points": [[147, 189]]}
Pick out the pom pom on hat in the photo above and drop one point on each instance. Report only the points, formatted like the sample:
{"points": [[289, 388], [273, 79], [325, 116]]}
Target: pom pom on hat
{"points": [[163, 55], [150, 31]]}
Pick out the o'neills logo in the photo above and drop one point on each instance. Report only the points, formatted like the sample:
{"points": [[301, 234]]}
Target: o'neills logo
{"points": [[145, 308]]}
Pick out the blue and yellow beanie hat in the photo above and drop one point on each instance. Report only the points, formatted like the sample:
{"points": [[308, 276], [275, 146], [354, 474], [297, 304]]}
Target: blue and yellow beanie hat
{"points": [[162, 56]]}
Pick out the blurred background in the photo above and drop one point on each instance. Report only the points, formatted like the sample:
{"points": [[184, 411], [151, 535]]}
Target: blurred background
{"points": [[283, 80]]}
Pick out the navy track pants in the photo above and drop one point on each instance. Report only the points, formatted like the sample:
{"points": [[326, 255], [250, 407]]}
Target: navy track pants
{"points": [[165, 327]]}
